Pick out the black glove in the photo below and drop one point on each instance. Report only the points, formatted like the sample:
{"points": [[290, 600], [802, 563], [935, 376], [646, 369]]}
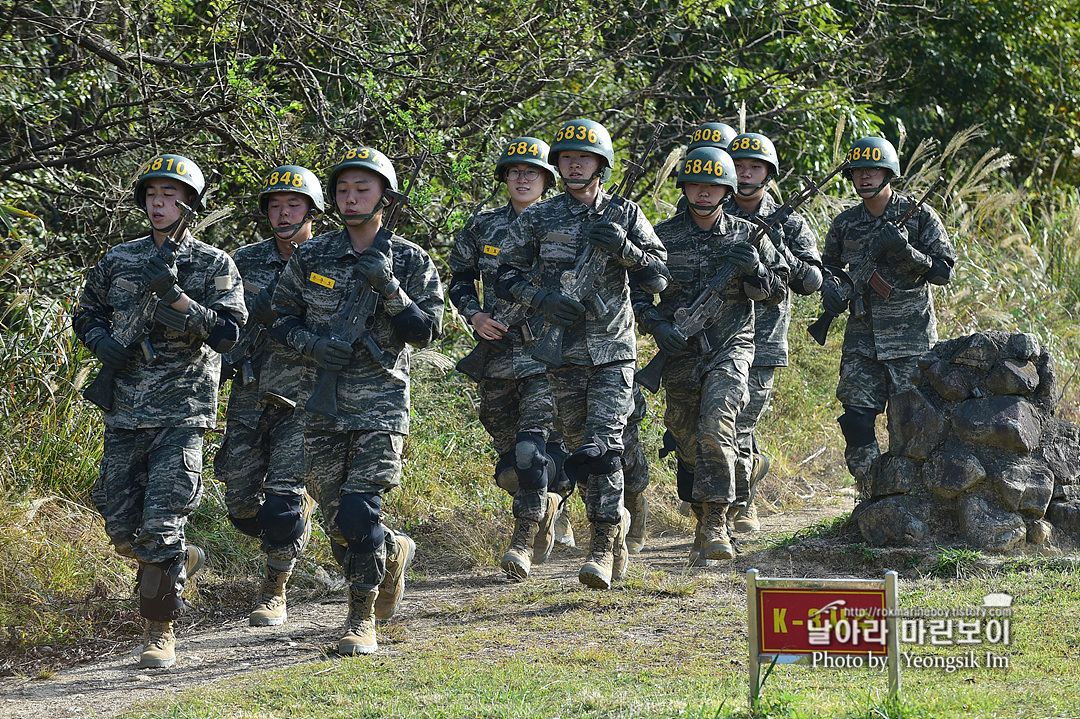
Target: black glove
{"points": [[111, 353], [560, 309], [261, 310], [831, 300], [376, 267], [669, 339], [607, 236], [744, 257], [894, 240], [331, 354], [160, 276]]}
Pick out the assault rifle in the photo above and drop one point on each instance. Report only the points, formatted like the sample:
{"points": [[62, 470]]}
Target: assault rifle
{"points": [[130, 328], [581, 282], [357, 316], [703, 311], [510, 314], [852, 286], [239, 357]]}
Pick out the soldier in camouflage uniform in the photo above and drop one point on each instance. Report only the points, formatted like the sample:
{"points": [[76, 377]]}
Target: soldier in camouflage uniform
{"points": [[592, 387], [354, 457], [884, 337], [756, 164], [706, 382], [515, 401], [261, 459], [151, 468]]}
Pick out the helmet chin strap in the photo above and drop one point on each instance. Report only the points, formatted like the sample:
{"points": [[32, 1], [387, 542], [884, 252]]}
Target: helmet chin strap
{"points": [[293, 229], [696, 208], [358, 221], [877, 190], [581, 184], [753, 186]]}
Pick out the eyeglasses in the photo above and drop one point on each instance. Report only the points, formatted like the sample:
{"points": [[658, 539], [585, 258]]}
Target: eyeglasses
{"points": [[529, 173]]}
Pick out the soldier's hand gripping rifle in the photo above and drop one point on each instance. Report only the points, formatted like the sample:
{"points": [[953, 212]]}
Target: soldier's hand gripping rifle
{"points": [[357, 315], [851, 286], [474, 364], [239, 357], [131, 328], [581, 283], [690, 321]]}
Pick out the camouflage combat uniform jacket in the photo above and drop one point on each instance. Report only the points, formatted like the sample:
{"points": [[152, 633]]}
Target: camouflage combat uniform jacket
{"points": [[799, 251], [476, 256], [309, 300], [277, 367], [547, 239], [694, 257], [903, 325], [180, 388]]}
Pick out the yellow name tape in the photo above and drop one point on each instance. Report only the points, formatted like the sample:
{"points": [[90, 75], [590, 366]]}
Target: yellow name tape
{"points": [[320, 280], [489, 250]]}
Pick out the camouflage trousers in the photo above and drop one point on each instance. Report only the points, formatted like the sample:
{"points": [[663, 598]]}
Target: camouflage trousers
{"points": [[701, 413], [635, 466], [593, 403], [867, 384], [509, 407], [353, 463], [150, 481], [256, 461], [760, 384]]}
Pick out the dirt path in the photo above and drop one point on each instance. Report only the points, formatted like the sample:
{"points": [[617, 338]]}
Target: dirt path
{"points": [[225, 652]]}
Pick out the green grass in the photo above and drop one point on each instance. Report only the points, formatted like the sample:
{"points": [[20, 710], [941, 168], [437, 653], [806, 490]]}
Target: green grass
{"points": [[548, 649]]}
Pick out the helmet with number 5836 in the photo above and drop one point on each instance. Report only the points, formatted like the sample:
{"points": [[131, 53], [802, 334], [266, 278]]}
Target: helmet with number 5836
{"points": [[584, 136]]}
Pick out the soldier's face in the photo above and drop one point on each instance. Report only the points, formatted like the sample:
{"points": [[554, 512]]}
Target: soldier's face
{"points": [[574, 165], [868, 179], [751, 172], [705, 196], [522, 189], [161, 198], [358, 192], [285, 209]]}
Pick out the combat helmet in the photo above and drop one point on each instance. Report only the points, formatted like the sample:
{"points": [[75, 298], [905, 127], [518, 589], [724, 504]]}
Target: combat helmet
{"points": [[172, 167], [874, 152], [712, 134], [528, 151], [755, 146], [708, 166], [585, 136], [292, 178]]}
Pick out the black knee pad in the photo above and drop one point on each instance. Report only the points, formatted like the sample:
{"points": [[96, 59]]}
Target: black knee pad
{"points": [[557, 479], [530, 461], [358, 520], [249, 526], [505, 474], [857, 424], [684, 480], [578, 466], [669, 444], [608, 463], [161, 587], [281, 520]]}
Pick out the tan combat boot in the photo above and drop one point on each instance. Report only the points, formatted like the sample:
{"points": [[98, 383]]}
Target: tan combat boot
{"points": [[518, 558], [620, 548], [639, 513], [564, 531], [715, 543], [596, 572], [270, 608], [360, 624], [746, 519], [159, 646], [697, 557], [544, 541], [393, 584], [194, 560]]}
